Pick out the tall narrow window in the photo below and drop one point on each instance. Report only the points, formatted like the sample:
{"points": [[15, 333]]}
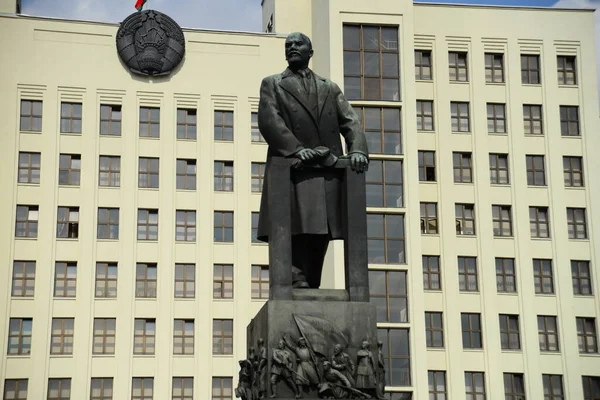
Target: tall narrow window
{"points": [[371, 62], [185, 226], [145, 280], [70, 117], [553, 387], [388, 292], [105, 330], [425, 115], [183, 388], [573, 171], [101, 389], [61, 339], [260, 282], [587, 337], [222, 389], [222, 336], [142, 389], [396, 353], [223, 226], [258, 176], [223, 125], [437, 385], [543, 276], [144, 336], [509, 332], [494, 67], [569, 121], [547, 333], [429, 218], [29, 167], [384, 184], [106, 280], [496, 118], [148, 172], [65, 279], [26, 224], [223, 281], [463, 167], [427, 166], [223, 179], [502, 220], [467, 274], [530, 69], [382, 127], [255, 134], [110, 120], [457, 65], [567, 71], [183, 337], [423, 65], [385, 239], [459, 113], [539, 224], [431, 273], [108, 223], [582, 279], [533, 123], [434, 329], [506, 278], [577, 223], [19, 336], [110, 171], [186, 174], [69, 169], [536, 171], [31, 116], [475, 386], [67, 225], [15, 389], [59, 389], [186, 123], [185, 281], [591, 387], [514, 386], [23, 279], [471, 330], [499, 169], [254, 227], [465, 219], [147, 224], [149, 122]]}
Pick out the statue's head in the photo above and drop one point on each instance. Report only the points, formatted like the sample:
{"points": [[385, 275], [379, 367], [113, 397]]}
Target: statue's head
{"points": [[365, 345], [298, 50], [251, 352], [337, 349], [302, 342], [326, 365], [260, 342], [281, 344], [380, 345]]}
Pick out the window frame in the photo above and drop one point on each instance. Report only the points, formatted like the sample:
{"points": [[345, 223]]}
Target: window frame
{"points": [[386, 239], [114, 120], [540, 220], [581, 276], [145, 225], [384, 183], [73, 173], [23, 337], [70, 117], [403, 377], [572, 171], [22, 280], [189, 233], [425, 166], [146, 285], [389, 294], [471, 331], [533, 171], [223, 177], [30, 115], [584, 335], [421, 67], [462, 163], [30, 224], [61, 336], [462, 219], [223, 227], [459, 116], [547, 329], [68, 226], [64, 385], [187, 123], [186, 280], [105, 226], [103, 288], [515, 380], [465, 276], [181, 338], [510, 336], [225, 335], [429, 218], [186, 174], [431, 329], [530, 119], [221, 121], [148, 169], [257, 176], [501, 220], [577, 218], [458, 61], [493, 68], [17, 387], [382, 132], [258, 282], [106, 385], [539, 274], [563, 69], [428, 272], [470, 382], [112, 173], [145, 383], [106, 330], [65, 283], [424, 115], [144, 330], [221, 281], [503, 275], [180, 385], [529, 69], [569, 120], [438, 389], [496, 169], [225, 388], [29, 167], [497, 118], [148, 122]]}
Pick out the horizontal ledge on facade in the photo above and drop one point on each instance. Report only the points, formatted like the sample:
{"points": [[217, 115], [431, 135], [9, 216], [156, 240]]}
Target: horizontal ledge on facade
{"points": [[67, 239], [25, 238], [393, 325], [148, 138], [394, 267], [60, 186], [22, 298], [568, 86], [80, 134], [428, 182], [107, 240], [28, 184], [571, 137], [31, 132], [461, 133], [436, 349], [437, 291], [103, 356], [504, 237], [495, 83], [513, 294], [511, 351], [585, 297], [579, 240], [536, 239], [58, 356], [18, 356], [539, 85], [473, 350], [426, 131], [590, 355]]}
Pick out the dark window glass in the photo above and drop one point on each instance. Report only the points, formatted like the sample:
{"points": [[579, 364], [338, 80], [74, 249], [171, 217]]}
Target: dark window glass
{"points": [[185, 281], [467, 274], [514, 386], [149, 122], [437, 385], [260, 282], [147, 224], [591, 387], [186, 174], [185, 226], [223, 179], [389, 295], [69, 169], [547, 333], [465, 219], [222, 336], [533, 123], [429, 218], [431, 273], [553, 387], [59, 389], [463, 167], [425, 115], [423, 65], [506, 276], [29, 167], [427, 166], [101, 389], [70, 117], [146, 278], [148, 172], [382, 127], [536, 171], [577, 223], [434, 329], [569, 121], [459, 114], [183, 388], [502, 220], [499, 169], [223, 125], [458, 67], [109, 171], [386, 240], [573, 171], [142, 389], [471, 331], [587, 338], [15, 389], [258, 176], [494, 68], [108, 223], [256, 136], [396, 355], [538, 222], [186, 123], [567, 71], [543, 276], [223, 226], [254, 221], [509, 332], [67, 224], [530, 69], [26, 224], [581, 276], [496, 118], [31, 116], [19, 336], [475, 386], [384, 184], [222, 389], [110, 120], [223, 281]]}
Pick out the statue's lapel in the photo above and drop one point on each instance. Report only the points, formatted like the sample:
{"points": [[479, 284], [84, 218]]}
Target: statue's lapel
{"points": [[291, 85], [322, 93]]}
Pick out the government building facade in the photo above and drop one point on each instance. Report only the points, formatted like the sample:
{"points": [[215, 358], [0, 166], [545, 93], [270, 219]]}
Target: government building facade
{"points": [[130, 203]]}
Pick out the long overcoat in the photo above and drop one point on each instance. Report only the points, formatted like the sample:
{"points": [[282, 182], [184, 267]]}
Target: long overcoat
{"points": [[289, 123]]}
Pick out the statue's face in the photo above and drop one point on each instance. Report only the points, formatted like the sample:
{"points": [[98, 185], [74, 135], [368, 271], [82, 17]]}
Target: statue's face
{"points": [[365, 345], [337, 349], [297, 50], [280, 345]]}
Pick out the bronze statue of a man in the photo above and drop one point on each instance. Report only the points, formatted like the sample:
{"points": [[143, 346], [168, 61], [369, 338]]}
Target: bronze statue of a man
{"points": [[301, 116]]}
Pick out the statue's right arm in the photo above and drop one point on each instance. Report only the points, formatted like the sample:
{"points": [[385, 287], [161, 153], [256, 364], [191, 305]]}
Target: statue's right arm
{"points": [[271, 123]]}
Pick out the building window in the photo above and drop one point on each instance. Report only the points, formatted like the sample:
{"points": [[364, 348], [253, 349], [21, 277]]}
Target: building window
{"points": [[434, 329], [591, 387], [573, 171], [183, 388], [61, 339], [106, 280], [437, 385], [222, 336], [459, 112], [186, 123], [429, 218], [514, 386], [183, 337], [255, 217], [471, 331], [255, 134], [385, 238], [509, 332], [586, 335], [547, 333], [533, 123], [65, 279], [102, 389], [223, 179], [186, 174], [222, 389], [142, 389], [530, 69], [536, 171], [457, 65], [543, 277], [567, 72], [110, 120], [506, 278], [382, 129], [467, 274], [494, 68], [185, 226], [59, 389], [499, 169], [538, 222], [223, 226], [223, 281], [147, 224], [258, 176], [577, 223], [144, 336], [388, 294], [502, 221], [223, 125], [496, 118], [105, 330], [31, 115], [423, 65], [19, 336], [185, 281], [70, 117], [23, 279], [569, 121], [26, 224], [427, 166], [260, 282], [475, 386], [69, 169], [148, 172], [396, 355], [110, 171], [15, 389], [465, 219], [582, 280], [463, 167], [149, 122], [425, 115], [108, 223], [145, 280], [371, 62], [384, 184], [431, 273], [67, 222], [29, 167]]}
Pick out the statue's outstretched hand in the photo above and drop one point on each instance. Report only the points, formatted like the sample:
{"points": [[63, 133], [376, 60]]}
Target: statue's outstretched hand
{"points": [[359, 162], [306, 154]]}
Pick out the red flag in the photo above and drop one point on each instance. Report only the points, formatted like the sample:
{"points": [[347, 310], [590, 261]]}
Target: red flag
{"points": [[139, 4]]}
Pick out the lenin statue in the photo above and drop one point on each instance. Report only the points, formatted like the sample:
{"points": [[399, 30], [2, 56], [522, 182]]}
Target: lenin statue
{"points": [[301, 116]]}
